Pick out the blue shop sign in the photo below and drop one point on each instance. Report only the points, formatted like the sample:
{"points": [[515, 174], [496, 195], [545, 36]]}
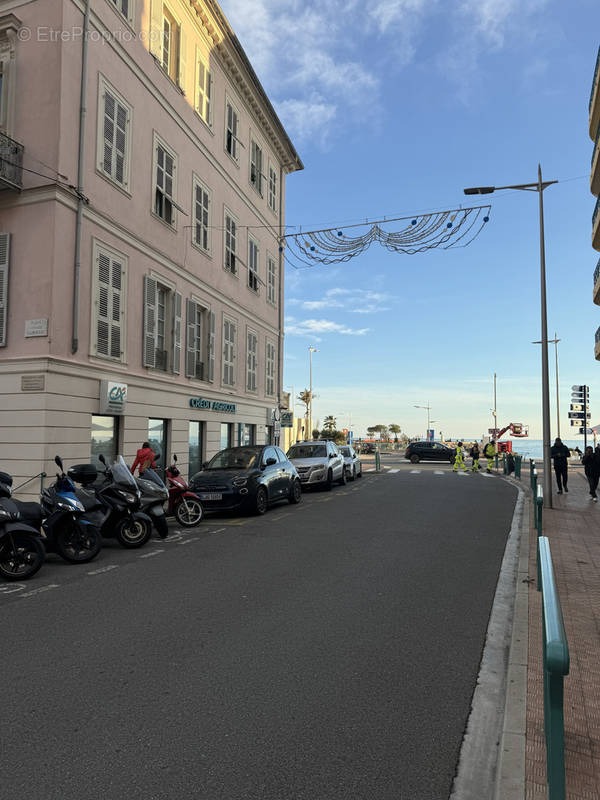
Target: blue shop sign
{"points": [[212, 405]]}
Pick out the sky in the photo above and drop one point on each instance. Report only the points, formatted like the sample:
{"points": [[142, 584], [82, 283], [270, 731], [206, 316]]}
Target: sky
{"points": [[395, 106]]}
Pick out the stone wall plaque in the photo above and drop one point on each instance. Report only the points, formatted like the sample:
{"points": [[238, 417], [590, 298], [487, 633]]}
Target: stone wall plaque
{"points": [[33, 383]]}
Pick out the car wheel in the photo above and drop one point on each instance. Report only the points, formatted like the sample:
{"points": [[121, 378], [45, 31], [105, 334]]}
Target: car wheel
{"points": [[295, 494], [353, 476], [359, 471], [414, 459], [343, 479], [329, 481], [260, 501]]}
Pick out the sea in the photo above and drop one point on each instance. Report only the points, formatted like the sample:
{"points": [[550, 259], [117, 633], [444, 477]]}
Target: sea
{"points": [[533, 448]]}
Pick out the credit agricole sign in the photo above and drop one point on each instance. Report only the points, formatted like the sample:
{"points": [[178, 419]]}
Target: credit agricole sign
{"points": [[212, 405]]}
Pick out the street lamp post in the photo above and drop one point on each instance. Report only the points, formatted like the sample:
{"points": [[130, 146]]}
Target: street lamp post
{"points": [[539, 188], [311, 350], [555, 342], [428, 408]]}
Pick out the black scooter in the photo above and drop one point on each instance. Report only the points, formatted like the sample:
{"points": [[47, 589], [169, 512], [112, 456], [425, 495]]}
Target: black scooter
{"points": [[21, 550], [119, 498], [154, 495]]}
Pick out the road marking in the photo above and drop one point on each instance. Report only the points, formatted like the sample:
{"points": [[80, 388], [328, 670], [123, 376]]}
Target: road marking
{"points": [[371, 469], [486, 475], [415, 472], [103, 569], [153, 553], [40, 590], [461, 473], [394, 471], [11, 588], [219, 530], [438, 472], [187, 541]]}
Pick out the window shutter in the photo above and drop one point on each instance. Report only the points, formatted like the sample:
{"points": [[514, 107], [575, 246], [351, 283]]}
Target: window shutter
{"points": [[109, 133], [209, 88], [122, 119], [182, 58], [149, 346], [190, 342], [211, 346], [177, 303], [156, 28], [4, 256], [103, 302], [116, 327]]}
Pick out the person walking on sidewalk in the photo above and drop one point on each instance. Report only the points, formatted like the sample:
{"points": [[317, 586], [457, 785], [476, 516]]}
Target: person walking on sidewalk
{"points": [[458, 459], [489, 451], [560, 453], [145, 460], [591, 464], [475, 455]]}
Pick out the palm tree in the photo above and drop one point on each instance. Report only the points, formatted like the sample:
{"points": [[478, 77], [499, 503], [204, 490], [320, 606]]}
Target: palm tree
{"points": [[329, 423]]}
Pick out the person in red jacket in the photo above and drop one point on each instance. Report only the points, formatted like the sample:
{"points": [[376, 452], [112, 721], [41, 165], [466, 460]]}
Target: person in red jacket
{"points": [[144, 459]]}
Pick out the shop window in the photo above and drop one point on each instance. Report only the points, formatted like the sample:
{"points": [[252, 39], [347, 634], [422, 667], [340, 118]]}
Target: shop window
{"points": [[226, 435], [196, 446], [105, 439], [157, 439], [248, 434]]}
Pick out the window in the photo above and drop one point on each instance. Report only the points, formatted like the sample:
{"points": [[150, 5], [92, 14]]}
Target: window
{"points": [[9, 28], [114, 121], [230, 243], [271, 281], [157, 439], [123, 7], [203, 91], [108, 317], [270, 369], [247, 435], [162, 326], [170, 45], [252, 265], [105, 439], [231, 131], [196, 439], [229, 346], [272, 189], [226, 435], [252, 347], [200, 342], [256, 167], [165, 164], [4, 258], [201, 205]]}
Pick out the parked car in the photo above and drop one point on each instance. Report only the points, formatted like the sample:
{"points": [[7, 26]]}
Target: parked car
{"points": [[319, 463], [367, 449], [351, 462], [248, 478], [429, 451]]}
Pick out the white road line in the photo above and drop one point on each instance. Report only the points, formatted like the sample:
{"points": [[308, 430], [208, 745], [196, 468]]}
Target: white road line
{"points": [[40, 590], [219, 530], [153, 553], [187, 541], [394, 471], [461, 473], [104, 569], [371, 469], [415, 472], [438, 472], [486, 475]]}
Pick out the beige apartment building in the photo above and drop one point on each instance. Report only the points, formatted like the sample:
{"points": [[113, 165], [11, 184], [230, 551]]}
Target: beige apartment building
{"points": [[142, 195]]}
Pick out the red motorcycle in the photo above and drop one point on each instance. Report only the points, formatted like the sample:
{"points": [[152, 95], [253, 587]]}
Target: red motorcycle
{"points": [[184, 505]]}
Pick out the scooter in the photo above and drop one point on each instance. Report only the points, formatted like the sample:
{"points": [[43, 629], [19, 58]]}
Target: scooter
{"points": [[184, 505], [119, 498], [21, 550], [153, 496]]}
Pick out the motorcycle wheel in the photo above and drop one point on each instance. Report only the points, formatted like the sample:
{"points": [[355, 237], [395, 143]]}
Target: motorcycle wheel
{"points": [[78, 546], [21, 555], [161, 525], [133, 532], [189, 513]]}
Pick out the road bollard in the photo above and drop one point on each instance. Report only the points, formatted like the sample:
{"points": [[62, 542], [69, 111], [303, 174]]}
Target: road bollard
{"points": [[496, 461], [377, 460], [517, 466], [531, 471]]}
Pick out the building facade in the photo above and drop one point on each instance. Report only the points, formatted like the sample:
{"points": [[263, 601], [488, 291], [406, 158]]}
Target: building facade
{"points": [[142, 170], [594, 131]]}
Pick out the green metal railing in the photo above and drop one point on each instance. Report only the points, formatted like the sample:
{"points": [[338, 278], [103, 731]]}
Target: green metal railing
{"points": [[539, 506], [556, 666], [518, 460]]}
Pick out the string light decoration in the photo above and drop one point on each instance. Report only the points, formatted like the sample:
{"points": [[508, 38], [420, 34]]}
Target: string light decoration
{"points": [[457, 227]]}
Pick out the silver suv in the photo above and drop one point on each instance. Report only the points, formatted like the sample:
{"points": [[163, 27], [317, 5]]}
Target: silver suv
{"points": [[318, 463]]}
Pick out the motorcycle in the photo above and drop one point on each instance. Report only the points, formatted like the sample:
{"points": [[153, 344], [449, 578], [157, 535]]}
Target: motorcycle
{"points": [[21, 550], [184, 505], [72, 529], [153, 496], [119, 498]]}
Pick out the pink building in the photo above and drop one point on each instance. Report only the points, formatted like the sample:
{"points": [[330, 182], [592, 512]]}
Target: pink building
{"points": [[142, 191]]}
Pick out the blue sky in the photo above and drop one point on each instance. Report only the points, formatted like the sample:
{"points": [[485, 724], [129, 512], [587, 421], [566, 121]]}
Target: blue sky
{"points": [[395, 106]]}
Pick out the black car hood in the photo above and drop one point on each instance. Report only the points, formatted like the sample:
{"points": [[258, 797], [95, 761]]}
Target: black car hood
{"points": [[212, 475]]}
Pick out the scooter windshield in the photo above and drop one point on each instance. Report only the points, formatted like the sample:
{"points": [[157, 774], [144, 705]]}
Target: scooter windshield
{"points": [[122, 474]]}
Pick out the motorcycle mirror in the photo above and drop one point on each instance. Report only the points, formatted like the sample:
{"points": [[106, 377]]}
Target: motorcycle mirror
{"points": [[175, 457], [101, 459], [58, 462], [157, 457]]}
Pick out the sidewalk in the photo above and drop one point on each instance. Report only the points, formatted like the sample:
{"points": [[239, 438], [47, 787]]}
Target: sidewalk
{"points": [[573, 528]]}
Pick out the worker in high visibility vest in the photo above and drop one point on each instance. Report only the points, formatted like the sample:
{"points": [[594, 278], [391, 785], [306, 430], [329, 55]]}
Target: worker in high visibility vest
{"points": [[475, 455], [489, 451], [458, 459]]}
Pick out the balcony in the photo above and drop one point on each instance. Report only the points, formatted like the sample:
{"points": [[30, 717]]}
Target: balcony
{"points": [[594, 119], [596, 226], [595, 172], [597, 284], [597, 346], [11, 163]]}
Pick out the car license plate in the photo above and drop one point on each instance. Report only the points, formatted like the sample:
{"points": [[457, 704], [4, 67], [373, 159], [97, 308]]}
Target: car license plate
{"points": [[211, 496]]}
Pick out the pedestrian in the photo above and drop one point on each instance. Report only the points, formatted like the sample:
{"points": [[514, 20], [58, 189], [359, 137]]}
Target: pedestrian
{"points": [[145, 460], [591, 465], [560, 454], [489, 451], [475, 455], [510, 463], [458, 459]]}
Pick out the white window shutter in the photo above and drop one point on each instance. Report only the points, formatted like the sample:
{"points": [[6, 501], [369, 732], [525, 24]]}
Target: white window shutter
{"points": [[177, 304], [149, 345], [108, 128], [156, 28], [4, 257], [190, 341], [103, 304], [211, 346], [182, 58], [117, 331]]}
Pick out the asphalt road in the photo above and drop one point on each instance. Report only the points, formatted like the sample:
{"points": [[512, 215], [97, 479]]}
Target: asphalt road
{"points": [[324, 651]]}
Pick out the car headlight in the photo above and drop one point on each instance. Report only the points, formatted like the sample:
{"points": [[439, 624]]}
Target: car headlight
{"points": [[239, 481], [319, 467]]}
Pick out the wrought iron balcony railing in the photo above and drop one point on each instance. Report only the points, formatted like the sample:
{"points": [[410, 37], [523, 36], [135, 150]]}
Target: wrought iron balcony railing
{"points": [[11, 163], [598, 336], [595, 214], [597, 272], [594, 81]]}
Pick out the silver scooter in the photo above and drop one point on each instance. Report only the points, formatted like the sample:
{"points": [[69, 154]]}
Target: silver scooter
{"points": [[154, 494]]}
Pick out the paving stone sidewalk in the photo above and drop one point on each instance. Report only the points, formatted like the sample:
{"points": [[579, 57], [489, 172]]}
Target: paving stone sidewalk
{"points": [[573, 528]]}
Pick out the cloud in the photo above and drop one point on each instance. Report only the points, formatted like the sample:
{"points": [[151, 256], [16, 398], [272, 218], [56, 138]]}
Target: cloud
{"points": [[316, 327], [355, 301]]}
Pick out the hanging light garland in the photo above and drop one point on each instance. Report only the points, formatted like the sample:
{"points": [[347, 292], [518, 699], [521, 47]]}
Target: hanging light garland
{"points": [[455, 228]]}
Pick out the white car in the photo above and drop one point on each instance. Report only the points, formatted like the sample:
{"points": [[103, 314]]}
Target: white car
{"points": [[352, 462], [318, 463]]}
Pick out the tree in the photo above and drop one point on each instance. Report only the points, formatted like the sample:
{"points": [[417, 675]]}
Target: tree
{"points": [[395, 429], [329, 423], [335, 436], [305, 398], [380, 429]]}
